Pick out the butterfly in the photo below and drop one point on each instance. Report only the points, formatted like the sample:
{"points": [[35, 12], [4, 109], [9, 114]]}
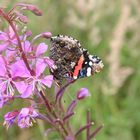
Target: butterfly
{"points": [[72, 60]]}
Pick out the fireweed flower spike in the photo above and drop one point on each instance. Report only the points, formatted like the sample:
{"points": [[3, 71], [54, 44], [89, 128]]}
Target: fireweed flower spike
{"points": [[23, 65]]}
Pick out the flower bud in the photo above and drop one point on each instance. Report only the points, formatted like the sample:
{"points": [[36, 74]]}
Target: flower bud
{"points": [[47, 35], [34, 9], [23, 18], [28, 33], [82, 93], [31, 8]]}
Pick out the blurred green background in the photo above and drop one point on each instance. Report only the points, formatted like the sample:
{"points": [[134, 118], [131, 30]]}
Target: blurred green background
{"points": [[111, 30]]}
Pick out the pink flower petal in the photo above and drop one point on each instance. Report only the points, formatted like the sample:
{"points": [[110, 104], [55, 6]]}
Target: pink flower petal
{"points": [[2, 67], [48, 80], [41, 48], [21, 86], [40, 66], [2, 70], [27, 92], [28, 112], [2, 86], [11, 32], [49, 62], [3, 36], [3, 47], [24, 112], [19, 69], [9, 53], [26, 46]]}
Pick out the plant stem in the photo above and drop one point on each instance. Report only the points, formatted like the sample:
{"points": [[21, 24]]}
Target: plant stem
{"points": [[45, 101], [88, 128], [83, 128], [96, 131], [68, 116], [42, 117]]}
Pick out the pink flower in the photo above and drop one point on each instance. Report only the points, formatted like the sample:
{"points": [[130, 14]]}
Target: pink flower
{"points": [[10, 118], [38, 80], [26, 117], [8, 76], [17, 75], [5, 78], [82, 93], [28, 86], [7, 39]]}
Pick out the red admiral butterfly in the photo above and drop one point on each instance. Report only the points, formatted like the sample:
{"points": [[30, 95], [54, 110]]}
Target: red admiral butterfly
{"points": [[71, 60]]}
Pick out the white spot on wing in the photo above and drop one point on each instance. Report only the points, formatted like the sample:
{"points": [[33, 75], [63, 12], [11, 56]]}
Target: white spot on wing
{"points": [[90, 63], [61, 35], [89, 71], [101, 64], [74, 77], [72, 64], [94, 59], [84, 49], [78, 44], [90, 57]]}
